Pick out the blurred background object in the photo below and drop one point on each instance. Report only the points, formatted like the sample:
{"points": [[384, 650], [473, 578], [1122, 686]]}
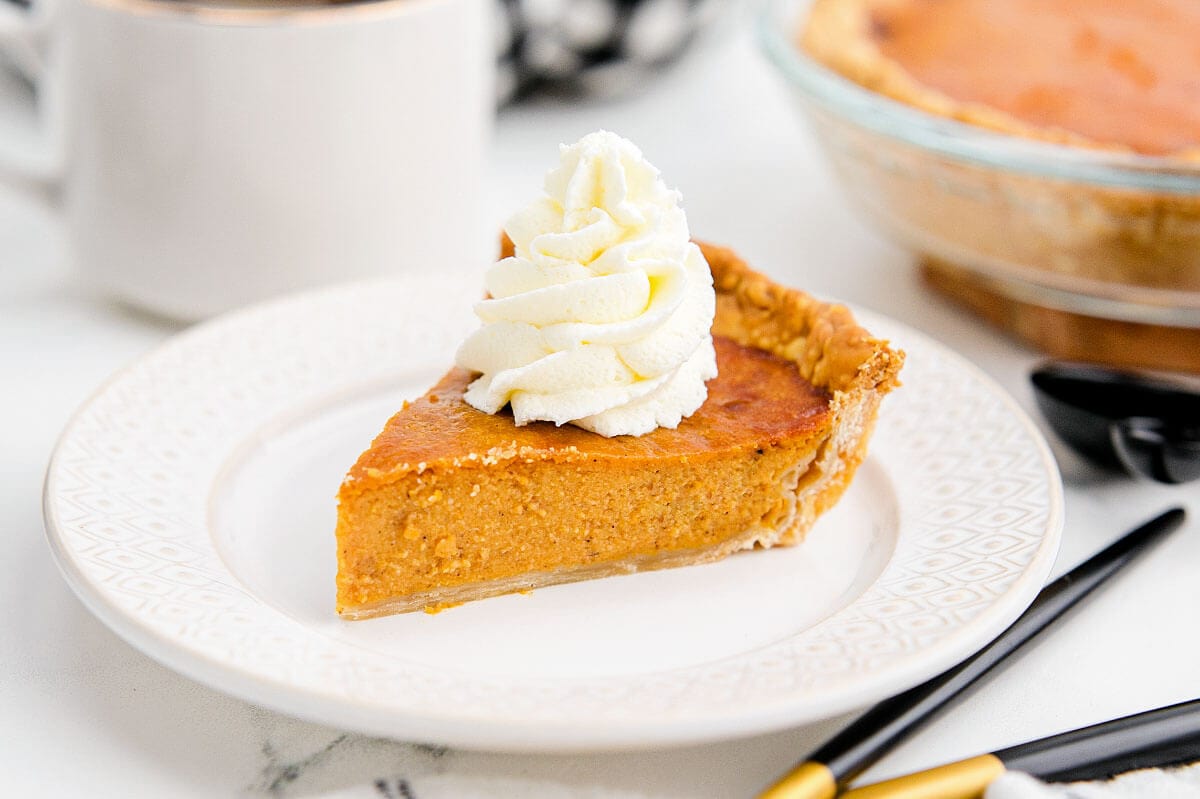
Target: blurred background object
{"points": [[1137, 422], [591, 48], [207, 155]]}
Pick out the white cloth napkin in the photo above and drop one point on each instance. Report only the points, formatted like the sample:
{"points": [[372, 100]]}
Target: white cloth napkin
{"points": [[1177, 783]]}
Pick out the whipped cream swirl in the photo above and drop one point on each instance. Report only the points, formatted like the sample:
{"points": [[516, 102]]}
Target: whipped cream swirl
{"points": [[602, 318]]}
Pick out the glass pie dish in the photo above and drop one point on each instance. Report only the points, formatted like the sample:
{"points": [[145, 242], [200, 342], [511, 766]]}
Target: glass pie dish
{"points": [[1089, 254]]}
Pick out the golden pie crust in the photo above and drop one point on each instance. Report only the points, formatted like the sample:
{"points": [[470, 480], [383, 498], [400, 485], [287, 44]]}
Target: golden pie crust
{"points": [[450, 504]]}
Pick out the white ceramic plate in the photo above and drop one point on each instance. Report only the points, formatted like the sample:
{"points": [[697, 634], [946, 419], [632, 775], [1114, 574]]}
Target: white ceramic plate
{"points": [[190, 504]]}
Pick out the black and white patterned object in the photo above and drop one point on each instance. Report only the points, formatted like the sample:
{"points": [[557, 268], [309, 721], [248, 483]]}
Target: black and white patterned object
{"points": [[590, 47]]}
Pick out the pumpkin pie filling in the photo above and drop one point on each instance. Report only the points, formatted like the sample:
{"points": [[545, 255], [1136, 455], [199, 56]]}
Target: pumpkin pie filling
{"points": [[1111, 74], [1112, 71], [757, 413]]}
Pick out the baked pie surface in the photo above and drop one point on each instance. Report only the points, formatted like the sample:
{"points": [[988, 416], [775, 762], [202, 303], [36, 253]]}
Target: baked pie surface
{"points": [[1107, 74], [450, 504]]}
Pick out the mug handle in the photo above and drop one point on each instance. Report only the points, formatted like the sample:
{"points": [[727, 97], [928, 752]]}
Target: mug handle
{"points": [[24, 30]]}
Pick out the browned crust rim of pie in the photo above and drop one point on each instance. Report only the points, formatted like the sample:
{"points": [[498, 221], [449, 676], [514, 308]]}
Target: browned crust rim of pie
{"points": [[837, 33], [832, 351]]}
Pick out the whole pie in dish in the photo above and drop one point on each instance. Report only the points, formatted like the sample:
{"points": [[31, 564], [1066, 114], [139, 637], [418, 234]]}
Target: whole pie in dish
{"points": [[1088, 253], [450, 504]]}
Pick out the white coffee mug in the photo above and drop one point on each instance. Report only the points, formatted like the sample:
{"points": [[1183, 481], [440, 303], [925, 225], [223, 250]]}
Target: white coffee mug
{"points": [[212, 154]]}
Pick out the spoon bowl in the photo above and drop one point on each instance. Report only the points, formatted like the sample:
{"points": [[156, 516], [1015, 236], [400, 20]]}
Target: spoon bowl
{"points": [[1148, 446], [1146, 426]]}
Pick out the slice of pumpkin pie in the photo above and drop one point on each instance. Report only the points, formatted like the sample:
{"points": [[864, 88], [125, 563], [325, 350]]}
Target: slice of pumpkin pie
{"points": [[685, 409]]}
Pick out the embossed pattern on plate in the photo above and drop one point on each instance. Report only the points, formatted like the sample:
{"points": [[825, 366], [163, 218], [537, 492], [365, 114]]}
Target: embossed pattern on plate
{"points": [[129, 489]]}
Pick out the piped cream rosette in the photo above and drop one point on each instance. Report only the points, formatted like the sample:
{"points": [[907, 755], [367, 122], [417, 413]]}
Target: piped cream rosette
{"points": [[603, 317]]}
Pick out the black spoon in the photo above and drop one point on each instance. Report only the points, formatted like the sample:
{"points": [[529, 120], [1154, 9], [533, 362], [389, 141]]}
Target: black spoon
{"points": [[1147, 426]]}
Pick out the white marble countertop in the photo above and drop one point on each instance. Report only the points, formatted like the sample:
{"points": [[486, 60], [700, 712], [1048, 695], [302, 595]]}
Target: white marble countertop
{"points": [[84, 714]]}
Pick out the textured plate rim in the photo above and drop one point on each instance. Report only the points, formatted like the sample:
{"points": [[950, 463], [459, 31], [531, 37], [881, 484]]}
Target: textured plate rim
{"points": [[538, 735]]}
